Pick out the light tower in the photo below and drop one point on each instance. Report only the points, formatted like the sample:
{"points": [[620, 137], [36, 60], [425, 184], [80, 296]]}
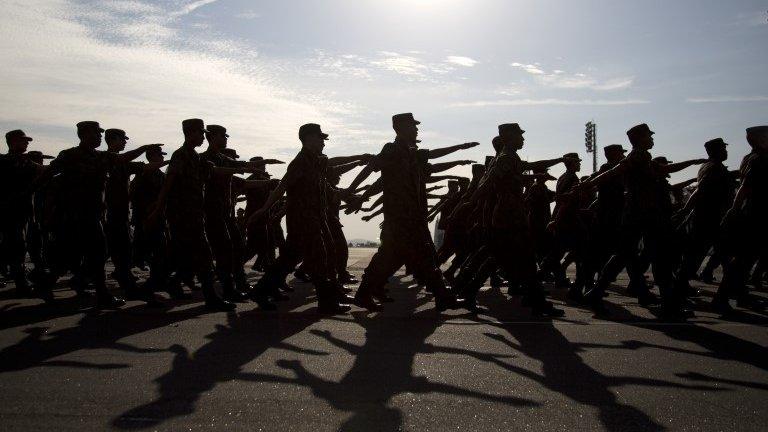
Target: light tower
{"points": [[590, 140]]}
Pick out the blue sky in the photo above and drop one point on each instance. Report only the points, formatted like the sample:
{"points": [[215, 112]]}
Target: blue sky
{"points": [[693, 70]]}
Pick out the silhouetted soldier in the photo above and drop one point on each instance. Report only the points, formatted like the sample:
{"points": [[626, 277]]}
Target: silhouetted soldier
{"points": [[405, 236], [609, 206], [750, 209], [224, 236], [80, 240], [538, 200], [17, 172], [258, 239], [183, 200], [36, 237], [306, 212], [707, 206], [507, 232], [119, 243], [644, 217]]}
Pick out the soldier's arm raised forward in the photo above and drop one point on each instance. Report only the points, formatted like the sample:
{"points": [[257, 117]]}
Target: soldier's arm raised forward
{"points": [[437, 153], [679, 166], [444, 166], [341, 160]]}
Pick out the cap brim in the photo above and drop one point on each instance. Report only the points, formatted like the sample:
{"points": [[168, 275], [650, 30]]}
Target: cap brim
{"points": [[28, 138], [416, 122], [324, 136], [126, 138]]}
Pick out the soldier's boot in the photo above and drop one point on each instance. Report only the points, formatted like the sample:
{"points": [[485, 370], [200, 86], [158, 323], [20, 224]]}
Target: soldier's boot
{"points": [[364, 298], [19, 276], [260, 294], [212, 300], [44, 284], [544, 308], [348, 278], [302, 276], [241, 282], [229, 293], [104, 299], [132, 291]]}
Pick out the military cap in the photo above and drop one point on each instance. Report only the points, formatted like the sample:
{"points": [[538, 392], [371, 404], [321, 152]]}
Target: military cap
{"points": [[38, 155], [661, 160], [216, 129], [89, 124], [640, 129], [613, 148], [311, 128], [757, 130], [193, 124], [510, 129], [16, 134], [572, 156], [232, 153], [155, 150], [717, 142], [404, 119], [109, 133]]}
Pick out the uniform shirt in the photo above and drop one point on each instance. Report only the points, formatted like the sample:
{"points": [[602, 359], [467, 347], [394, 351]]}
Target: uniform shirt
{"points": [[117, 187], [641, 186], [755, 175], [714, 191], [218, 196], [538, 201], [186, 196], [610, 195], [504, 181], [17, 173], [305, 182], [334, 204], [564, 184], [83, 178], [402, 169], [145, 190]]}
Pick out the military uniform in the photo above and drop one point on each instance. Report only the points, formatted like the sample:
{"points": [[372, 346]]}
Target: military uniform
{"points": [[150, 240], [404, 237]]}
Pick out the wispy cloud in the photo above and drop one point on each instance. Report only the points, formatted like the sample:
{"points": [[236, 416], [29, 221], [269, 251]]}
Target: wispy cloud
{"points": [[562, 80], [118, 74], [191, 7], [249, 14], [719, 99], [461, 61], [548, 101]]}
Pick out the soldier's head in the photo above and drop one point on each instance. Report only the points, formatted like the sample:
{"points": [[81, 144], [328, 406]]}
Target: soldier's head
{"points": [[641, 137], [661, 161], [406, 127], [216, 136], [757, 137], [194, 132], [155, 154], [478, 170], [89, 133], [614, 153], [17, 141], [453, 186], [312, 137], [716, 149], [116, 139], [572, 162], [511, 135]]}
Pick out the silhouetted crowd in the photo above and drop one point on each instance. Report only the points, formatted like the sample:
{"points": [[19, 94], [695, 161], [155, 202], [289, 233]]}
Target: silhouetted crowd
{"points": [[504, 224]]}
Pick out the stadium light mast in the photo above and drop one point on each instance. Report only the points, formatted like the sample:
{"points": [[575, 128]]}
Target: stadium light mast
{"points": [[590, 140]]}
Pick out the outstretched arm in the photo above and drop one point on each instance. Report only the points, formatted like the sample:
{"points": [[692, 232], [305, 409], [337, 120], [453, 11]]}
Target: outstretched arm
{"points": [[679, 166], [433, 178], [340, 170], [437, 153], [372, 215], [440, 167], [133, 154], [542, 164], [684, 184], [341, 160]]}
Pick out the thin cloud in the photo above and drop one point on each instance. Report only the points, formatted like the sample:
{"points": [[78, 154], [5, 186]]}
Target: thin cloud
{"points": [[548, 101], [560, 79], [191, 7], [461, 61], [720, 99]]}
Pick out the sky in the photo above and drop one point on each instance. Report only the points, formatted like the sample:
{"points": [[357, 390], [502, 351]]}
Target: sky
{"points": [[692, 70]]}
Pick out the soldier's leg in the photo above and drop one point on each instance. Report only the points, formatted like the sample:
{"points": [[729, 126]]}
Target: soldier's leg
{"points": [[238, 255], [419, 254], [119, 246], [94, 258], [383, 264], [15, 250], [221, 248]]}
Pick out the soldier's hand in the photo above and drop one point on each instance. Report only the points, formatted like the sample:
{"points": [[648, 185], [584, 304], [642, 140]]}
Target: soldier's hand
{"points": [[469, 145], [366, 218], [147, 147]]}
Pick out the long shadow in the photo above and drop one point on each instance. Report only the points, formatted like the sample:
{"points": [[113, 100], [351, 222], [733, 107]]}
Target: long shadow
{"points": [[565, 372], [96, 330], [383, 367], [245, 337]]}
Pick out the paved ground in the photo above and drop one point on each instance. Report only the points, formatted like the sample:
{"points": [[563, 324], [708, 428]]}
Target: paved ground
{"points": [[72, 368]]}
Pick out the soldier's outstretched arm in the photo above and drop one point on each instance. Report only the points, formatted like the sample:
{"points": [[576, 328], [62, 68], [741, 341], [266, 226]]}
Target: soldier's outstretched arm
{"points": [[684, 184], [542, 164], [434, 178], [361, 176], [342, 160], [440, 152], [379, 201], [133, 154], [344, 168], [433, 188], [444, 166], [372, 215], [436, 208], [679, 166]]}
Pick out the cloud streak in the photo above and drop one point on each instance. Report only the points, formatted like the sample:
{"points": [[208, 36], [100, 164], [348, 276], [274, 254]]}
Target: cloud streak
{"points": [[723, 99], [548, 101], [560, 79]]}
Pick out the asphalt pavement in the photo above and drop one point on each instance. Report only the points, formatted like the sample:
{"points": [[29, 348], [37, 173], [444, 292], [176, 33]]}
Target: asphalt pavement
{"points": [[70, 367]]}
